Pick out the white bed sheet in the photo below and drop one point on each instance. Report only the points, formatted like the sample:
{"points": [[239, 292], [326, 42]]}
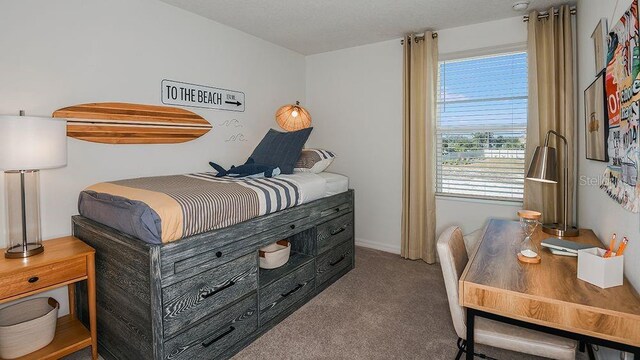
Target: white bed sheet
{"points": [[335, 183], [312, 187], [316, 186]]}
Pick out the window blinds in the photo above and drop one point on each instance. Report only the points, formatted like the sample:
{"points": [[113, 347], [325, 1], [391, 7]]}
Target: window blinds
{"points": [[481, 126]]}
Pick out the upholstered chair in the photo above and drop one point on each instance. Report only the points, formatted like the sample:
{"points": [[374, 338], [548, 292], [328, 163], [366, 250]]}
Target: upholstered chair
{"points": [[453, 259]]}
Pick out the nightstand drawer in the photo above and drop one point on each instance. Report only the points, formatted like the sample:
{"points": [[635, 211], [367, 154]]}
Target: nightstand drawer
{"points": [[36, 278]]}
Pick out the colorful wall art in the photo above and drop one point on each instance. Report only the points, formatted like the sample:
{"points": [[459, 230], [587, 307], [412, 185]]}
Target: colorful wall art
{"points": [[623, 107]]}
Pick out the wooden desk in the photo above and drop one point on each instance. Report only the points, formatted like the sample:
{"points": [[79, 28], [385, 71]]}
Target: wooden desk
{"points": [[65, 261], [548, 296]]}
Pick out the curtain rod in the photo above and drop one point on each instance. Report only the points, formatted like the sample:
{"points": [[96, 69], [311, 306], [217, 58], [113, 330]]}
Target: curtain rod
{"points": [[421, 37], [545, 15]]}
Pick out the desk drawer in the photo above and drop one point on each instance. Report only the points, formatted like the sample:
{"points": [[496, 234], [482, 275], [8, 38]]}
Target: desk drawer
{"points": [[216, 334], [333, 261], [282, 293], [192, 299], [334, 232], [41, 277]]}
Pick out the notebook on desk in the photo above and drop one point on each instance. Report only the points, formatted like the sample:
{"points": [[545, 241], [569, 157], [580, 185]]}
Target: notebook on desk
{"points": [[557, 245], [562, 252]]}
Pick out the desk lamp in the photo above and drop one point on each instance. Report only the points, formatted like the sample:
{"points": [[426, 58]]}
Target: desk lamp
{"points": [[544, 168]]}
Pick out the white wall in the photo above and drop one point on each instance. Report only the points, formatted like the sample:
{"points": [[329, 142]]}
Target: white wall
{"points": [[60, 53], [355, 98], [595, 209]]}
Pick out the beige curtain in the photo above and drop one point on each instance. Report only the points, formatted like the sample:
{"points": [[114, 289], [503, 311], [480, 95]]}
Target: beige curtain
{"points": [[418, 182], [551, 106]]}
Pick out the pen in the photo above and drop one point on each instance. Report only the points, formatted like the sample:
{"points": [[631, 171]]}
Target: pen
{"points": [[622, 246], [612, 244]]}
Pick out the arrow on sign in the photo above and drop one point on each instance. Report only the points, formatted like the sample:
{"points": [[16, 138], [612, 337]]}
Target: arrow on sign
{"points": [[236, 103]]}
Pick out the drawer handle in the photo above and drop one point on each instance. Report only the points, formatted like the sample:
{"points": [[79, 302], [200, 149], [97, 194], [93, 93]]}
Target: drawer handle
{"points": [[298, 287], [219, 254], [334, 263], [338, 230], [226, 286], [337, 209], [292, 226], [33, 279], [217, 338]]}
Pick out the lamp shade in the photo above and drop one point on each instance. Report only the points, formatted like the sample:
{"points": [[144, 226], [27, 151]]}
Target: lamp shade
{"points": [[544, 165], [32, 143], [293, 117]]}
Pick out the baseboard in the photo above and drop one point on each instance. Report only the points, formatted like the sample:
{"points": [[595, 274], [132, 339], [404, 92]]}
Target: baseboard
{"points": [[378, 246]]}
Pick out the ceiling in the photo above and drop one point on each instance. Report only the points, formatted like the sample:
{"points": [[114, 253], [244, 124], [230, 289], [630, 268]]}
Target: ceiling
{"points": [[315, 26]]}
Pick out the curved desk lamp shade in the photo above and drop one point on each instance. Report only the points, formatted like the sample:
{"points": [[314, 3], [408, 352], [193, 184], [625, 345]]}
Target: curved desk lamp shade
{"points": [[293, 117], [544, 168], [27, 145]]}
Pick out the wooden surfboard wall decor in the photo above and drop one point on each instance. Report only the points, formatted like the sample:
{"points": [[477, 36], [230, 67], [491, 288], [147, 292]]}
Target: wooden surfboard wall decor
{"points": [[124, 123]]}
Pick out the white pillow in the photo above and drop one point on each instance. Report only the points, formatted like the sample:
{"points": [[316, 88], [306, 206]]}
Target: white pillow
{"points": [[314, 160]]}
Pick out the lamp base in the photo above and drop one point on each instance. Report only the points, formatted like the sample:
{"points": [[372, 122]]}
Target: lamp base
{"points": [[560, 230], [20, 252]]}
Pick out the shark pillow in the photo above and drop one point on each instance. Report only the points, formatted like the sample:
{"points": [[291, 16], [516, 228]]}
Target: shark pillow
{"points": [[247, 170]]}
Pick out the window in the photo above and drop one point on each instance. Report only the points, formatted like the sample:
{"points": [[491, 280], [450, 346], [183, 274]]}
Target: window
{"points": [[481, 126]]}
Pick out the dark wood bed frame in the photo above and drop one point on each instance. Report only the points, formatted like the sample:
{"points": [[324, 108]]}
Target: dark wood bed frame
{"points": [[205, 297]]}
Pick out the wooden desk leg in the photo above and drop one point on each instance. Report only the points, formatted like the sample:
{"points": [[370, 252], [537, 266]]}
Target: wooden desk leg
{"points": [[91, 294], [470, 340], [72, 300]]}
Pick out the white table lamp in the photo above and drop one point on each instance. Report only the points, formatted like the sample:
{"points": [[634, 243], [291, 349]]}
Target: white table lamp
{"points": [[28, 144]]}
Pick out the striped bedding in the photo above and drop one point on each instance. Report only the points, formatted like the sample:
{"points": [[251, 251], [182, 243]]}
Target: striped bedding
{"points": [[167, 208]]}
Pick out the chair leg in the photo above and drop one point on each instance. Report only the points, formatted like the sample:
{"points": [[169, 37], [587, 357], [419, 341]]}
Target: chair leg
{"points": [[461, 348], [581, 346], [592, 356]]}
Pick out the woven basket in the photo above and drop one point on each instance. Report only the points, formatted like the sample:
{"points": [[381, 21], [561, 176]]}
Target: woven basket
{"points": [[275, 255], [27, 326]]}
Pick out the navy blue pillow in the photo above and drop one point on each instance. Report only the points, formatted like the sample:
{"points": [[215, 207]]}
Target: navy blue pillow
{"points": [[281, 149]]}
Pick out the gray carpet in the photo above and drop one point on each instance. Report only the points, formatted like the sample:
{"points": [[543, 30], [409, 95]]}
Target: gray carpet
{"points": [[386, 308]]}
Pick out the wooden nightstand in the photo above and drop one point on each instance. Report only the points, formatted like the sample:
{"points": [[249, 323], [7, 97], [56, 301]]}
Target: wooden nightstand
{"points": [[65, 261]]}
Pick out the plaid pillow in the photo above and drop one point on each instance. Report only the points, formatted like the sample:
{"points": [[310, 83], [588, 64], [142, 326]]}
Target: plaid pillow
{"points": [[314, 160]]}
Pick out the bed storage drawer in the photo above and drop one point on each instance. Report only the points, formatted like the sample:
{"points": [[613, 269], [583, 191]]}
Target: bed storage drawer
{"points": [[336, 210], [210, 259], [212, 337], [188, 301], [333, 261], [291, 228], [281, 294], [334, 232]]}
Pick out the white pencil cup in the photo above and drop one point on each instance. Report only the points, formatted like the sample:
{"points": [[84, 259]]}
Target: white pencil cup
{"points": [[599, 271]]}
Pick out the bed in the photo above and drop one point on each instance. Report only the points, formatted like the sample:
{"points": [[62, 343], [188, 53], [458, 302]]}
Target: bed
{"points": [[192, 288], [163, 209]]}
